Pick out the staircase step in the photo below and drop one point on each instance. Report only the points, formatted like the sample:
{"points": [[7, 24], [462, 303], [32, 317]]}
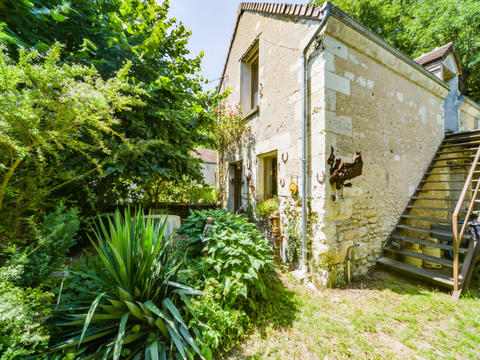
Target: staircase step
{"points": [[462, 137], [463, 144], [450, 134], [429, 230], [447, 181], [450, 166], [434, 209], [431, 199], [430, 219], [450, 173], [422, 189], [426, 274], [445, 247], [453, 158], [467, 149], [433, 259]]}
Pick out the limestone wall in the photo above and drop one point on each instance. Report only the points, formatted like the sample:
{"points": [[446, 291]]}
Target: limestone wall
{"points": [[469, 115], [361, 98], [393, 116], [277, 124]]}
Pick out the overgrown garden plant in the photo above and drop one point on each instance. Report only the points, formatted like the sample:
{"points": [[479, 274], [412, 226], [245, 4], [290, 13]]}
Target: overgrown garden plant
{"points": [[139, 311], [49, 111], [106, 34], [232, 264], [227, 132]]}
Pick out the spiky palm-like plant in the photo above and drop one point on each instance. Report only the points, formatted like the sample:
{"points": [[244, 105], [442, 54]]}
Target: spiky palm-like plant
{"points": [[138, 314]]}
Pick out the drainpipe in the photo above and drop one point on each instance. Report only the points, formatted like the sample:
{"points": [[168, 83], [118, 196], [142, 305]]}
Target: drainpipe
{"points": [[326, 14]]}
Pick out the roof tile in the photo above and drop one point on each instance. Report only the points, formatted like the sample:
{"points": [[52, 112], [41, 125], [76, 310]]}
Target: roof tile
{"points": [[206, 155], [438, 53]]}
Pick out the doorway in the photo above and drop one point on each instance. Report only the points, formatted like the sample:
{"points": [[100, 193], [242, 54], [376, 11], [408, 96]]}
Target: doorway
{"points": [[235, 193]]}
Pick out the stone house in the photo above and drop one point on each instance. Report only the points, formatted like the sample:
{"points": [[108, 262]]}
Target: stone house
{"points": [[317, 88], [208, 164]]}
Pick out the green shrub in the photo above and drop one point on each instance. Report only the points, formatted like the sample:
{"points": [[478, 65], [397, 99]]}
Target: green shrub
{"points": [[203, 194], [233, 265], [232, 251], [186, 191], [265, 208], [137, 309], [48, 252], [23, 314]]}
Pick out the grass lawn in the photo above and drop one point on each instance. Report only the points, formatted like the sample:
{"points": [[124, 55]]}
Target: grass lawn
{"points": [[379, 317]]}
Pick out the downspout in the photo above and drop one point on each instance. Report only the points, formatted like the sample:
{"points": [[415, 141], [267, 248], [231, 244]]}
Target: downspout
{"points": [[326, 14]]}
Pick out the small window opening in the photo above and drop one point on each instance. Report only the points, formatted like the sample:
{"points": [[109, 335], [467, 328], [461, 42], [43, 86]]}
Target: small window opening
{"points": [[270, 177], [250, 78]]}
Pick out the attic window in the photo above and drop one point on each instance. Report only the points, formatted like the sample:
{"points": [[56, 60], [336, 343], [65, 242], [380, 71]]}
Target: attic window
{"points": [[250, 79]]}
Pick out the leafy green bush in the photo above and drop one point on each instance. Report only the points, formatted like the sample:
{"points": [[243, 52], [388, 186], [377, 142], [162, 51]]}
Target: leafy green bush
{"points": [[203, 194], [51, 246], [23, 313], [186, 191], [233, 265], [56, 123], [232, 251], [138, 299], [265, 208]]}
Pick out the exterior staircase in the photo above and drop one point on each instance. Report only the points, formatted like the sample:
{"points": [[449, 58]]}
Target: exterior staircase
{"points": [[431, 241]]}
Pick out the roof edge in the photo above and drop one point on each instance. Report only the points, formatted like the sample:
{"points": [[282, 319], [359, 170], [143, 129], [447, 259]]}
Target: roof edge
{"points": [[295, 11], [377, 39]]}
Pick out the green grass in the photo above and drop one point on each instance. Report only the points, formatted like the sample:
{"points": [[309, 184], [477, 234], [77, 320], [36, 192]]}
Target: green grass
{"points": [[381, 317]]}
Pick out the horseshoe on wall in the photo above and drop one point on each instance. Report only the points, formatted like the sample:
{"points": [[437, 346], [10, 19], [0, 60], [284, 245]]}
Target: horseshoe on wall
{"points": [[322, 179], [282, 182], [283, 157]]}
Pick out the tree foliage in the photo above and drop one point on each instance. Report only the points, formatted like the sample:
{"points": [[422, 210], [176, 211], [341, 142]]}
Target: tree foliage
{"points": [[48, 114], [418, 26], [106, 33]]}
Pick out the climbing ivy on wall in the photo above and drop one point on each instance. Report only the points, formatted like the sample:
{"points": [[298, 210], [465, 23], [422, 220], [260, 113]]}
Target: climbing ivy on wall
{"points": [[227, 133]]}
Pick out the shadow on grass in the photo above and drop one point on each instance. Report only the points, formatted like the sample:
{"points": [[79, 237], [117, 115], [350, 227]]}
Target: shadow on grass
{"points": [[278, 311], [380, 279], [280, 307]]}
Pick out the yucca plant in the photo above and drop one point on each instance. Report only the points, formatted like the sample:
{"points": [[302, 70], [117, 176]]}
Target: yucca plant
{"points": [[138, 314]]}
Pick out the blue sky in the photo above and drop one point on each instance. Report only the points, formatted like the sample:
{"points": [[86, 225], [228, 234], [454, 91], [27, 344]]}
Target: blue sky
{"points": [[211, 23]]}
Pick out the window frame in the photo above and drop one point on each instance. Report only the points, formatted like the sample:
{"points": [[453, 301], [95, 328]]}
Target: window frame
{"points": [[267, 178], [251, 64]]}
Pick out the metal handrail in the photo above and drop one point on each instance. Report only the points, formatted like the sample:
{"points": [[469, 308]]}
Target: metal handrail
{"points": [[457, 238]]}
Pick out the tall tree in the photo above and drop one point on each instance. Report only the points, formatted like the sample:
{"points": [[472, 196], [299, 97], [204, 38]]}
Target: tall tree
{"points": [[418, 26], [106, 33], [49, 113]]}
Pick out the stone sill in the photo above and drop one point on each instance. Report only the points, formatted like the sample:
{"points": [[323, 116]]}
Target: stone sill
{"points": [[252, 112]]}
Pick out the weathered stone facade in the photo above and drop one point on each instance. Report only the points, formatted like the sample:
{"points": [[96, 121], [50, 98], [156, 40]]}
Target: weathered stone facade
{"points": [[361, 97]]}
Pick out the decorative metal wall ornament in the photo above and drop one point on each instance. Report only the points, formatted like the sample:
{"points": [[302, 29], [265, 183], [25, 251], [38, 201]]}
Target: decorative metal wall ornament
{"points": [[341, 171], [293, 188], [285, 156], [322, 178], [282, 183]]}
